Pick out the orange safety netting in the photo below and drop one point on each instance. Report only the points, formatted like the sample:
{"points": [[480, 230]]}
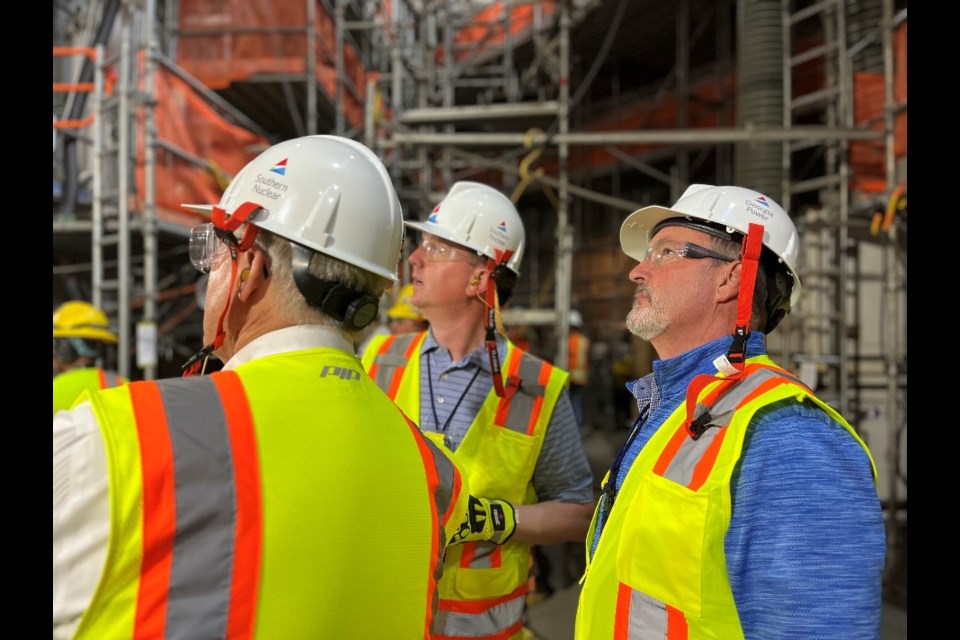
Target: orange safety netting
{"points": [[868, 157], [486, 33], [225, 41], [185, 120]]}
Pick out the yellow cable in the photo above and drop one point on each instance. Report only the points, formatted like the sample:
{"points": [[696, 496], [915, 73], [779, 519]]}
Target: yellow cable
{"points": [[222, 178], [896, 198], [525, 177]]}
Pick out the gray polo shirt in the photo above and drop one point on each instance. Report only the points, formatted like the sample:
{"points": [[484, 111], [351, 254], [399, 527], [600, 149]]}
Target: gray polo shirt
{"points": [[451, 394]]}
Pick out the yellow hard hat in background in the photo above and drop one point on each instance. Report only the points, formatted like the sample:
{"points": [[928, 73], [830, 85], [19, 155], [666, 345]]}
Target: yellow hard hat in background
{"points": [[402, 309], [78, 319]]}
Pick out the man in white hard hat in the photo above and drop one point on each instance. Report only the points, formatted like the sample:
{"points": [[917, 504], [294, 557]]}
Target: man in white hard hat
{"points": [[241, 504], [740, 505], [505, 413]]}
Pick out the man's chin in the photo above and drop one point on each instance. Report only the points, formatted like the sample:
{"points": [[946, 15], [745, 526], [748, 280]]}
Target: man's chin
{"points": [[643, 329]]}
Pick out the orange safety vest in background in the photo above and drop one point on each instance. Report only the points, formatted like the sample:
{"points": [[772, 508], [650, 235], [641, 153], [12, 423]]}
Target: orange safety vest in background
{"points": [[578, 357], [288, 498]]}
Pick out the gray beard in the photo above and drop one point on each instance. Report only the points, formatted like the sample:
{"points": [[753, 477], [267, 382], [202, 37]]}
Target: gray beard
{"points": [[647, 323]]}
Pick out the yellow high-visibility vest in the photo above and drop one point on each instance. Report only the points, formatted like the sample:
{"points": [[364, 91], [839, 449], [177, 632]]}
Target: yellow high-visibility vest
{"points": [[658, 570], [497, 455], [288, 498], [68, 386]]}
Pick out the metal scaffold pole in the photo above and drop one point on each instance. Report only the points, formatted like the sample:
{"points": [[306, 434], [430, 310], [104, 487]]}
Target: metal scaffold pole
{"points": [[564, 232], [149, 224], [891, 333], [123, 281]]}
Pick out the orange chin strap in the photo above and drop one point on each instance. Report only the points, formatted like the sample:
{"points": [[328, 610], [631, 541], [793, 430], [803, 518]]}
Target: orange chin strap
{"points": [[695, 424], [225, 226], [750, 255], [495, 266]]}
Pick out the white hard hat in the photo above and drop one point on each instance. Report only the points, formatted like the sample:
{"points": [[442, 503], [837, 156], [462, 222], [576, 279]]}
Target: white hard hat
{"points": [[727, 208], [480, 218], [576, 320], [330, 194]]}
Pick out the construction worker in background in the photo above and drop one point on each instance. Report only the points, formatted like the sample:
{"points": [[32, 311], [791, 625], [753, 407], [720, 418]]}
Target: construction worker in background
{"points": [[741, 505], [81, 336], [505, 414], [578, 361], [241, 504], [403, 317]]}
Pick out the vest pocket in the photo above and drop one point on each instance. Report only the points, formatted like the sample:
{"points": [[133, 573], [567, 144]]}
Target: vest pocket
{"points": [[661, 544], [503, 465], [481, 583]]}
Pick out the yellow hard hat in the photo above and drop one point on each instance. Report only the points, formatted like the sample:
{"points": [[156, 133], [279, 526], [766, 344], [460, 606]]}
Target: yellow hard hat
{"points": [[403, 309], [78, 319]]}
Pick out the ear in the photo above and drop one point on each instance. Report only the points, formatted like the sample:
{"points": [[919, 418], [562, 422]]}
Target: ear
{"points": [[478, 282], [728, 281], [254, 275]]}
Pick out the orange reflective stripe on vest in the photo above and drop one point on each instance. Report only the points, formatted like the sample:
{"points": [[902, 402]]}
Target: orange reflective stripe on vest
{"points": [[202, 429], [682, 593], [520, 412], [688, 461], [391, 361]]}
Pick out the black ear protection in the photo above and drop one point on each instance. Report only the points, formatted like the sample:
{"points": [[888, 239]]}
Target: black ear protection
{"points": [[64, 351], [354, 308]]}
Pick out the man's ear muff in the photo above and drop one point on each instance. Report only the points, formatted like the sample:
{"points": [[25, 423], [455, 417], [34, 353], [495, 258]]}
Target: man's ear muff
{"points": [[64, 351], [354, 308]]}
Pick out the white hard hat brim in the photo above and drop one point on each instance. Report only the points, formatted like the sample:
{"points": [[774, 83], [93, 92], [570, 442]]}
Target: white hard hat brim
{"points": [[635, 231], [434, 230], [199, 208]]}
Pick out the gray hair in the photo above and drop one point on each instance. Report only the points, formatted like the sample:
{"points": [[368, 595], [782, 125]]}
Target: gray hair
{"points": [[771, 291], [292, 304]]}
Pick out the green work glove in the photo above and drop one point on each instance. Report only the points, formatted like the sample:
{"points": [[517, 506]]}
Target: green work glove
{"points": [[486, 520]]}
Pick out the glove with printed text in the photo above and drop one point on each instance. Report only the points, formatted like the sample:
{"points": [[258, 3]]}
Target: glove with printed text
{"points": [[486, 520]]}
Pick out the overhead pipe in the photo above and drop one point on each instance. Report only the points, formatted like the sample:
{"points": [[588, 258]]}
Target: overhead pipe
{"points": [[760, 95]]}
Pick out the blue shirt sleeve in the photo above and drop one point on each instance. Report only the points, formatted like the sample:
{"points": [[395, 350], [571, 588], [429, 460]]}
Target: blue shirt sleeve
{"points": [[805, 547]]}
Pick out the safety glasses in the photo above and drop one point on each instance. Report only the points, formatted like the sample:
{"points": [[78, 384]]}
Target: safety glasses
{"points": [[206, 241], [439, 251], [663, 252]]}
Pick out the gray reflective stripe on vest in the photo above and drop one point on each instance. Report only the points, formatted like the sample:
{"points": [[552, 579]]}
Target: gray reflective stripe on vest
{"points": [[388, 361], [471, 625], [685, 460], [111, 379], [482, 555], [446, 473], [648, 617], [521, 405], [202, 572]]}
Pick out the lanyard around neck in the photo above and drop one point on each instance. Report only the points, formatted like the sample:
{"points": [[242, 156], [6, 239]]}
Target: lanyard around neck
{"points": [[433, 402]]}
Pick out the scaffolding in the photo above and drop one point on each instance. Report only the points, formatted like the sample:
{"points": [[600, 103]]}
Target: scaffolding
{"points": [[472, 89], [127, 223], [852, 351]]}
